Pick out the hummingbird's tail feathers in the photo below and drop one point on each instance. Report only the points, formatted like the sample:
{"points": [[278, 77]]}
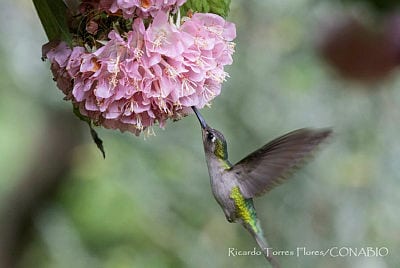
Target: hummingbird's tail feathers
{"points": [[258, 235], [272, 164], [262, 243]]}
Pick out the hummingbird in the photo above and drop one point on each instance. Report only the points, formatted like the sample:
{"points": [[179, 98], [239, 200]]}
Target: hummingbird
{"points": [[235, 186]]}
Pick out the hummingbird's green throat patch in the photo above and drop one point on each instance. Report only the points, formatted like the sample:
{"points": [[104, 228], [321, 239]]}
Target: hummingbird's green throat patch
{"points": [[221, 149]]}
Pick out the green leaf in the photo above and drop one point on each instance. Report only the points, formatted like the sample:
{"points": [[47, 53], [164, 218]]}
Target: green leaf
{"points": [[93, 133], [219, 7], [80, 116], [53, 15], [97, 141]]}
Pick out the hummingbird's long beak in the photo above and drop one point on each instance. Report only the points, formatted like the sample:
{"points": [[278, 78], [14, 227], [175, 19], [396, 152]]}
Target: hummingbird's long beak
{"points": [[200, 117]]}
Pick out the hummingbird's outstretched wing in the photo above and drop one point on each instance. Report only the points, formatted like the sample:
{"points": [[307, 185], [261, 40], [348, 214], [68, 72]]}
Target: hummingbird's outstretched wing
{"points": [[270, 165]]}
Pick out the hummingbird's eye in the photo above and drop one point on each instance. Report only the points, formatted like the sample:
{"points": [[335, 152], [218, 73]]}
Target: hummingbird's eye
{"points": [[211, 137]]}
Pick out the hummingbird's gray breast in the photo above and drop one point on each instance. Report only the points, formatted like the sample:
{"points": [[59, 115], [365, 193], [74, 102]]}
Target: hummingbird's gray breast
{"points": [[222, 183]]}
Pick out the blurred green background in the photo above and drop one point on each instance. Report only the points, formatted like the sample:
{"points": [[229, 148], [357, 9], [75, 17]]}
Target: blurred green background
{"points": [[149, 204]]}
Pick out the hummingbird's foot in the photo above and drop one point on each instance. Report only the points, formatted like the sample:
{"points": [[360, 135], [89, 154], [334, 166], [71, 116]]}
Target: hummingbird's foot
{"points": [[229, 219]]}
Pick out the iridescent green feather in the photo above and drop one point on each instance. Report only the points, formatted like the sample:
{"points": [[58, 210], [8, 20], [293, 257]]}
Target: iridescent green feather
{"points": [[221, 150], [245, 209]]}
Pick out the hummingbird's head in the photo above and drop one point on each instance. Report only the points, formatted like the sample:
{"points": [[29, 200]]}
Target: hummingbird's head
{"points": [[213, 140]]}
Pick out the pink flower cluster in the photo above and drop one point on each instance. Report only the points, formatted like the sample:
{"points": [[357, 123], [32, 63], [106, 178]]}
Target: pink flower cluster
{"points": [[149, 74], [132, 8], [140, 8]]}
